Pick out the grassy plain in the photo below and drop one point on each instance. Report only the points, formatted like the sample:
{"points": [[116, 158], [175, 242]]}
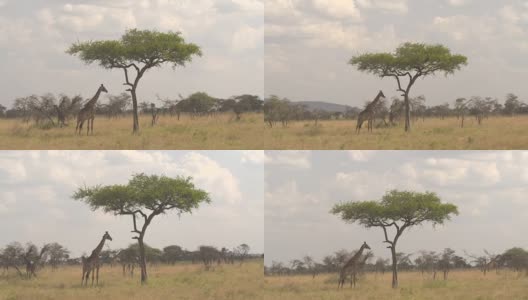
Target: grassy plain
{"points": [[466, 285], [433, 133], [184, 281], [219, 132]]}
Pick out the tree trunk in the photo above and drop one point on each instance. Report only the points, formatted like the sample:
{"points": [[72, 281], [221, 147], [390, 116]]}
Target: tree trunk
{"points": [[407, 113], [135, 126], [394, 267], [142, 260]]}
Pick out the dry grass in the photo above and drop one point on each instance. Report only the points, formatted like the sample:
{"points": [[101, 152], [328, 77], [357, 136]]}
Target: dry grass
{"points": [[165, 282], [460, 285], [219, 132], [494, 133]]}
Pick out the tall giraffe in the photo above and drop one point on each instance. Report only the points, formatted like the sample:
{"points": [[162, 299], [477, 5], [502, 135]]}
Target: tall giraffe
{"points": [[360, 266], [351, 265], [92, 262], [368, 113], [87, 113], [494, 263]]}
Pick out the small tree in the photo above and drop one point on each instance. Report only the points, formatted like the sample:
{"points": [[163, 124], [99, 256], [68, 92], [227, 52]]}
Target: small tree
{"points": [[139, 51], [409, 62], [144, 197], [243, 251], [397, 210], [57, 254]]}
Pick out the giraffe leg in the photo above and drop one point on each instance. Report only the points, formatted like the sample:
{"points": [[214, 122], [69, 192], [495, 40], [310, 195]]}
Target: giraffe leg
{"points": [[93, 276], [91, 128], [359, 123], [97, 276], [87, 276]]}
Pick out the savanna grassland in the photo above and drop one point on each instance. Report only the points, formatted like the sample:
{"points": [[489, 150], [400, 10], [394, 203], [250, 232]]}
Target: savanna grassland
{"points": [[218, 132], [185, 281], [433, 133], [412, 285]]}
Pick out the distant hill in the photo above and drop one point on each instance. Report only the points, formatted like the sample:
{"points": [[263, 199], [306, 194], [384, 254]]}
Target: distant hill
{"points": [[326, 106]]}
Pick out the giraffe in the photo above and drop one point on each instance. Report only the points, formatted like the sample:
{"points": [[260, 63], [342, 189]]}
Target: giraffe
{"points": [[494, 263], [154, 112], [352, 264], [91, 264], [356, 272], [368, 113], [87, 113]]}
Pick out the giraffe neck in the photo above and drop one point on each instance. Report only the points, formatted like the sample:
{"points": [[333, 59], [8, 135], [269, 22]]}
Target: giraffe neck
{"points": [[92, 101], [355, 258], [375, 100], [370, 106], [97, 250]]}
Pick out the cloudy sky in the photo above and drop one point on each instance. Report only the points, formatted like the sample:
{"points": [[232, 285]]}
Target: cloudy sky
{"points": [[309, 42], [36, 203], [489, 189], [34, 35]]}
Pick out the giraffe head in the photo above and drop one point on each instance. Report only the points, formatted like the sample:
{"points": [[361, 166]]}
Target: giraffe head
{"points": [[381, 95], [107, 236], [365, 246], [103, 89]]}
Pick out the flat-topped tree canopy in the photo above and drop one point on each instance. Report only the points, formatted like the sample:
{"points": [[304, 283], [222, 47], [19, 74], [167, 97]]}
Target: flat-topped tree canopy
{"points": [[405, 208], [148, 47], [137, 50], [409, 62], [410, 59]]}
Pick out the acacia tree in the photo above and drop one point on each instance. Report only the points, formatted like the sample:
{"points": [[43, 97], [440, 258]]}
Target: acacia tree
{"points": [[397, 210], [409, 62], [143, 198], [137, 51]]}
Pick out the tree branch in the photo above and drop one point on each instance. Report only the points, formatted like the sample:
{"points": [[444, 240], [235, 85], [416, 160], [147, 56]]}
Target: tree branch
{"points": [[126, 77], [387, 237]]}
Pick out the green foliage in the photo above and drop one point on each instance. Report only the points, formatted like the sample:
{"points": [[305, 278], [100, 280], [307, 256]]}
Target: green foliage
{"points": [[199, 102], [516, 258], [155, 193], [422, 59], [410, 208], [150, 47]]}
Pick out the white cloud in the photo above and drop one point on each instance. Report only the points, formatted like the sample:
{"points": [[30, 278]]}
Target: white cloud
{"points": [[250, 5], [391, 6], [458, 2], [360, 155], [12, 170], [7, 200], [338, 8], [247, 38], [253, 156], [295, 159], [445, 171], [281, 8], [213, 177]]}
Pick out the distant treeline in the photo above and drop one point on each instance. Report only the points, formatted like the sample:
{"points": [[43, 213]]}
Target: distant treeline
{"points": [[57, 109], [423, 261], [282, 110], [28, 259]]}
